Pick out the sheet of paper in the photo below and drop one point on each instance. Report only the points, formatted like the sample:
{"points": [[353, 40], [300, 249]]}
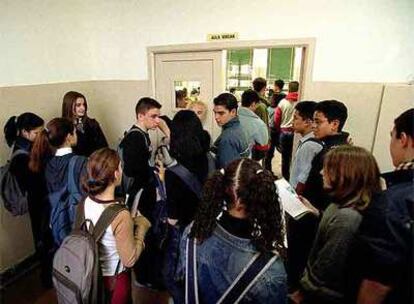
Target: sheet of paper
{"points": [[290, 200]]}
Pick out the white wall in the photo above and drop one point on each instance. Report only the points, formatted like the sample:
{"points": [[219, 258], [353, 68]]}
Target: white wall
{"points": [[44, 41]]}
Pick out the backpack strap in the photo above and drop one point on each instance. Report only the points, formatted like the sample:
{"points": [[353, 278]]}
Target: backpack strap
{"points": [[72, 187], [106, 218], [259, 263], [80, 215], [18, 152], [190, 179], [137, 129]]}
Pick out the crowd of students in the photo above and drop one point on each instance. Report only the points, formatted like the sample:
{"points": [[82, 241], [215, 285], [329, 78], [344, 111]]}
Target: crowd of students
{"points": [[225, 236]]}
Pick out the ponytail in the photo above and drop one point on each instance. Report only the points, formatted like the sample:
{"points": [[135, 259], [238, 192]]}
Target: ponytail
{"points": [[10, 130], [40, 151], [51, 138], [211, 205]]}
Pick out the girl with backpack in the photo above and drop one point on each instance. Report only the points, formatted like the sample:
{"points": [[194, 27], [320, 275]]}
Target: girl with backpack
{"points": [[238, 226], [20, 133], [352, 179], [88, 130], [123, 241], [52, 153]]}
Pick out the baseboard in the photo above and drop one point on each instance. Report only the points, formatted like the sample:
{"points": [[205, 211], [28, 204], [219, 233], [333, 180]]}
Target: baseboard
{"points": [[13, 273]]}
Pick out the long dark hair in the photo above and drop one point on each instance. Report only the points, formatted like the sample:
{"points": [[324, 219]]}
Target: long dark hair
{"points": [[101, 167], [243, 179], [51, 138], [190, 143], [68, 105], [15, 124]]}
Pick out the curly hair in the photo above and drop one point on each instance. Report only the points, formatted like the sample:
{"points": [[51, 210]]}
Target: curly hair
{"points": [[246, 181]]}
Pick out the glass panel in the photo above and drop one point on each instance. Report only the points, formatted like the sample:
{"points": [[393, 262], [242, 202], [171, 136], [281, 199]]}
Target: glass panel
{"points": [[185, 92]]}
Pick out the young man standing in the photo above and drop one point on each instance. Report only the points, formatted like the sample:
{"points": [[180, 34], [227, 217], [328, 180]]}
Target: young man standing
{"points": [[232, 143], [259, 85], [388, 230], [136, 153], [328, 120], [283, 123], [308, 146], [253, 127]]}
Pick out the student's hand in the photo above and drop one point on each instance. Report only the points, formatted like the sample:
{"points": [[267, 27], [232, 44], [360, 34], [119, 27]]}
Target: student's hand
{"points": [[349, 140], [159, 164], [312, 208], [296, 297], [164, 128]]}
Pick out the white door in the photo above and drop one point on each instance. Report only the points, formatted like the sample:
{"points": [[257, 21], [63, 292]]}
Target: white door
{"points": [[199, 75]]}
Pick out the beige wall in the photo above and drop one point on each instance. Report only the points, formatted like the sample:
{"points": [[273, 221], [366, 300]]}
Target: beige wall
{"points": [[112, 103]]}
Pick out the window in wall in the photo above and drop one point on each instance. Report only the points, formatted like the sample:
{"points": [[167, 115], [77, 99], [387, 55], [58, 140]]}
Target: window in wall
{"points": [[270, 63]]}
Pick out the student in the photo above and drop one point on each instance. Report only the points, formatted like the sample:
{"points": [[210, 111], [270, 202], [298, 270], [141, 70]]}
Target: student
{"points": [[239, 217], [301, 232], [308, 146], [328, 121], [189, 147], [200, 108], [136, 153], [283, 123], [122, 243], [52, 152], [259, 86], [351, 177], [388, 230], [20, 132], [88, 130], [253, 127], [277, 96], [232, 143]]}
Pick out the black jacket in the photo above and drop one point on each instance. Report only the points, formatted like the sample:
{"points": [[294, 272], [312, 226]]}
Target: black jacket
{"points": [[90, 137]]}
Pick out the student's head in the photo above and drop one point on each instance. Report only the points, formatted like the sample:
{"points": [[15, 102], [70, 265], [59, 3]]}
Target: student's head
{"points": [[259, 85], [74, 105], [278, 86], [303, 117], [293, 87], [59, 133], [329, 118], [189, 142], [147, 111], [243, 187], [225, 108], [199, 108], [26, 125], [103, 170], [351, 174], [402, 138], [249, 99]]}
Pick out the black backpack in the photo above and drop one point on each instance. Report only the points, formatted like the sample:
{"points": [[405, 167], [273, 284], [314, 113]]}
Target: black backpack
{"points": [[77, 273], [13, 196]]}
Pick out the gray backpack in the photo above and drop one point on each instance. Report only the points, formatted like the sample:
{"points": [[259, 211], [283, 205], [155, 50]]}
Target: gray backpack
{"points": [[77, 273], [14, 198]]}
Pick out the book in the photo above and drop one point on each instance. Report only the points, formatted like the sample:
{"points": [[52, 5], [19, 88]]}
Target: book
{"points": [[291, 202]]}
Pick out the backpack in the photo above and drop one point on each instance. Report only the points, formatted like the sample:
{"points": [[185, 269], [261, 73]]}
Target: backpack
{"points": [[77, 273], [63, 205], [13, 196], [250, 274], [127, 181]]}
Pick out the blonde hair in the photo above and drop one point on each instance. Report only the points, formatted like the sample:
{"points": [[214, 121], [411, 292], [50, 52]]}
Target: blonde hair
{"points": [[192, 104], [353, 175]]}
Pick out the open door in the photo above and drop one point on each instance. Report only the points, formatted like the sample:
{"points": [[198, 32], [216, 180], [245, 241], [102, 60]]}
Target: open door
{"points": [[197, 75]]}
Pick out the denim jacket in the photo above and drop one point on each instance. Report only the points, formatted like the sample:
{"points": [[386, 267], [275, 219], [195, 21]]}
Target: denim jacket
{"points": [[221, 258], [232, 144]]}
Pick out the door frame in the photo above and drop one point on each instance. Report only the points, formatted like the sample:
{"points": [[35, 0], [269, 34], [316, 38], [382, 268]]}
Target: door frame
{"points": [[308, 45]]}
